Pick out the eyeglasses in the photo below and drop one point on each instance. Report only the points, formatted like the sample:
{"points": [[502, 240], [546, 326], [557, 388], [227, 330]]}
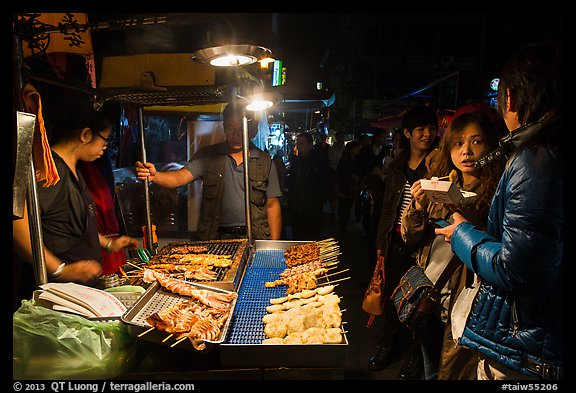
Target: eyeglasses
{"points": [[106, 140]]}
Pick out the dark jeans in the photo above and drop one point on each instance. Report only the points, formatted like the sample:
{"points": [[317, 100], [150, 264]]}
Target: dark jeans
{"points": [[431, 341]]}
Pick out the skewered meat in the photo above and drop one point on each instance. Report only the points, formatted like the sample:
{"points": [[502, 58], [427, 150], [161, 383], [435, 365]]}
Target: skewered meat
{"points": [[279, 300], [293, 338], [302, 253], [274, 317], [276, 329], [275, 308], [189, 249], [273, 340], [325, 290], [302, 268]]}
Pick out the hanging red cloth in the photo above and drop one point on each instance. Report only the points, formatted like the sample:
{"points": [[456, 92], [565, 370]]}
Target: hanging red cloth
{"points": [[105, 213]]}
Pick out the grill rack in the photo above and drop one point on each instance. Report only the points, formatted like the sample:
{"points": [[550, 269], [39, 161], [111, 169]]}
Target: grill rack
{"points": [[226, 277], [253, 297], [243, 344], [156, 299]]}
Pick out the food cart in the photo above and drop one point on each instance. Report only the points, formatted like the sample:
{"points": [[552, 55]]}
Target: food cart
{"points": [[238, 350]]}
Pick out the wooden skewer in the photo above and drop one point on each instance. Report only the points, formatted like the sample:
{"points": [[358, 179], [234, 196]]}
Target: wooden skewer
{"points": [[340, 279], [136, 266], [146, 331], [122, 272], [327, 283], [167, 337], [178, 342], [326, 255], [332, 274]]}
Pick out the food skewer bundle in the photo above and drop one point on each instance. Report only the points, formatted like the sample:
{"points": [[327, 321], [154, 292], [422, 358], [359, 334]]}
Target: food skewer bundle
{"points": [[304, 281], [306, 317], [195, 259], [303, 268], [183, 271], [311, 251], [199, 318]]}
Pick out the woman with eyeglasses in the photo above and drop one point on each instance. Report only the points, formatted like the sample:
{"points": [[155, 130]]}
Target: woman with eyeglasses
{"points": [[72, 244]]}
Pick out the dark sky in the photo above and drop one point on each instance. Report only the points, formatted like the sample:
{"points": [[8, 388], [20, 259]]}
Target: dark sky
{"points": [[302, 40]]}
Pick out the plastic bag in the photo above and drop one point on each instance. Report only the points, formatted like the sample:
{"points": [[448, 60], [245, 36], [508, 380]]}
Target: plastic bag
{"points": [[461, 309], [50, 344]]}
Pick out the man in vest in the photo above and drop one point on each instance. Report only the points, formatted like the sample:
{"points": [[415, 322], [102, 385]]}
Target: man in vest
{"points": [[221, 167]]}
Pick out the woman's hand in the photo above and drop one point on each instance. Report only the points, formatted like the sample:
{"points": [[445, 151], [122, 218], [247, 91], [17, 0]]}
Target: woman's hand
{"points": [[84, 271], [447, 231], [145, 171], [124, 242], [420, 198]]}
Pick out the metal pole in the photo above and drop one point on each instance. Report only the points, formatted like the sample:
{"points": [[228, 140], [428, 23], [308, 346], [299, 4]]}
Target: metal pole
{"points": [[34, 221], [149, 234], [245, 158]]}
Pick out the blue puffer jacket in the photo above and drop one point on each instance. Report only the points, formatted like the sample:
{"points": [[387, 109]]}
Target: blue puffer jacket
{"points": [[518, 315]]}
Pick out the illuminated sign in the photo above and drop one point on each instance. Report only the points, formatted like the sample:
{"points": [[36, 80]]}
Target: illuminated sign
{"points": [[278, 73], [494, 84]]}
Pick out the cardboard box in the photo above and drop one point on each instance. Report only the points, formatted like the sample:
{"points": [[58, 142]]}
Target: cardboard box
{"points": [[442, 191]]}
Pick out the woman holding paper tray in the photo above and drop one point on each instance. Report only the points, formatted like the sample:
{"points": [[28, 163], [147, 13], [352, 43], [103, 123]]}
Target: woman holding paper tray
{"points": [[468, 138]]}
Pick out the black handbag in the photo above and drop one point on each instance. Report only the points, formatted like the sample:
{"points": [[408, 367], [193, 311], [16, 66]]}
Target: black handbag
{"points": [[416, 298]]}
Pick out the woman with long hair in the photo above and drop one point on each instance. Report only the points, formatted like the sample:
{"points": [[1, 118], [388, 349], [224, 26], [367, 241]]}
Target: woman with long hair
{"points": [[467, 139]]}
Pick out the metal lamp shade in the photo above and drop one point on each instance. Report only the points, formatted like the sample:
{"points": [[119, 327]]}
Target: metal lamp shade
{"points": [[231, 55]]}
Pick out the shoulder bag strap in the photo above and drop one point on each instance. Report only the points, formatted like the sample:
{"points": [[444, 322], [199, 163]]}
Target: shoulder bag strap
{"points": [[446, 273]]}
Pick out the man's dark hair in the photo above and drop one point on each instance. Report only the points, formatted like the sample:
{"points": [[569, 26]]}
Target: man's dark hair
{"points": [[534, 74], [418, 116], [307, 136]]}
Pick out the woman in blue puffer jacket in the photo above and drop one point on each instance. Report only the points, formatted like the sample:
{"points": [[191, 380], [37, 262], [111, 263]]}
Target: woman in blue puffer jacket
{"points": [[516, 321]]}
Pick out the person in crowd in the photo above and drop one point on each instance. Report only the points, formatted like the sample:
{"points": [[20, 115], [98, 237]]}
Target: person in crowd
{"points": [[334, 154], [220, 166], [376, 181], [348, 185], [70, 234], [281, 169], [468, 138], [419, 126], [516, 324], [308, 184], [336, 149], [364, 140], [370, 157]]}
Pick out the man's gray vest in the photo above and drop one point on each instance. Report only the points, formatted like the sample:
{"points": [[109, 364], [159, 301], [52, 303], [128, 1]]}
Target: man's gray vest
{"points": [[213, 189]]}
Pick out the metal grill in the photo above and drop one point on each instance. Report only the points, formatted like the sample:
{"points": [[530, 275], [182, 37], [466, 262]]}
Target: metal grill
{"points": [[246, 326], [243, 344], [156, 299], [234, 248]]}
